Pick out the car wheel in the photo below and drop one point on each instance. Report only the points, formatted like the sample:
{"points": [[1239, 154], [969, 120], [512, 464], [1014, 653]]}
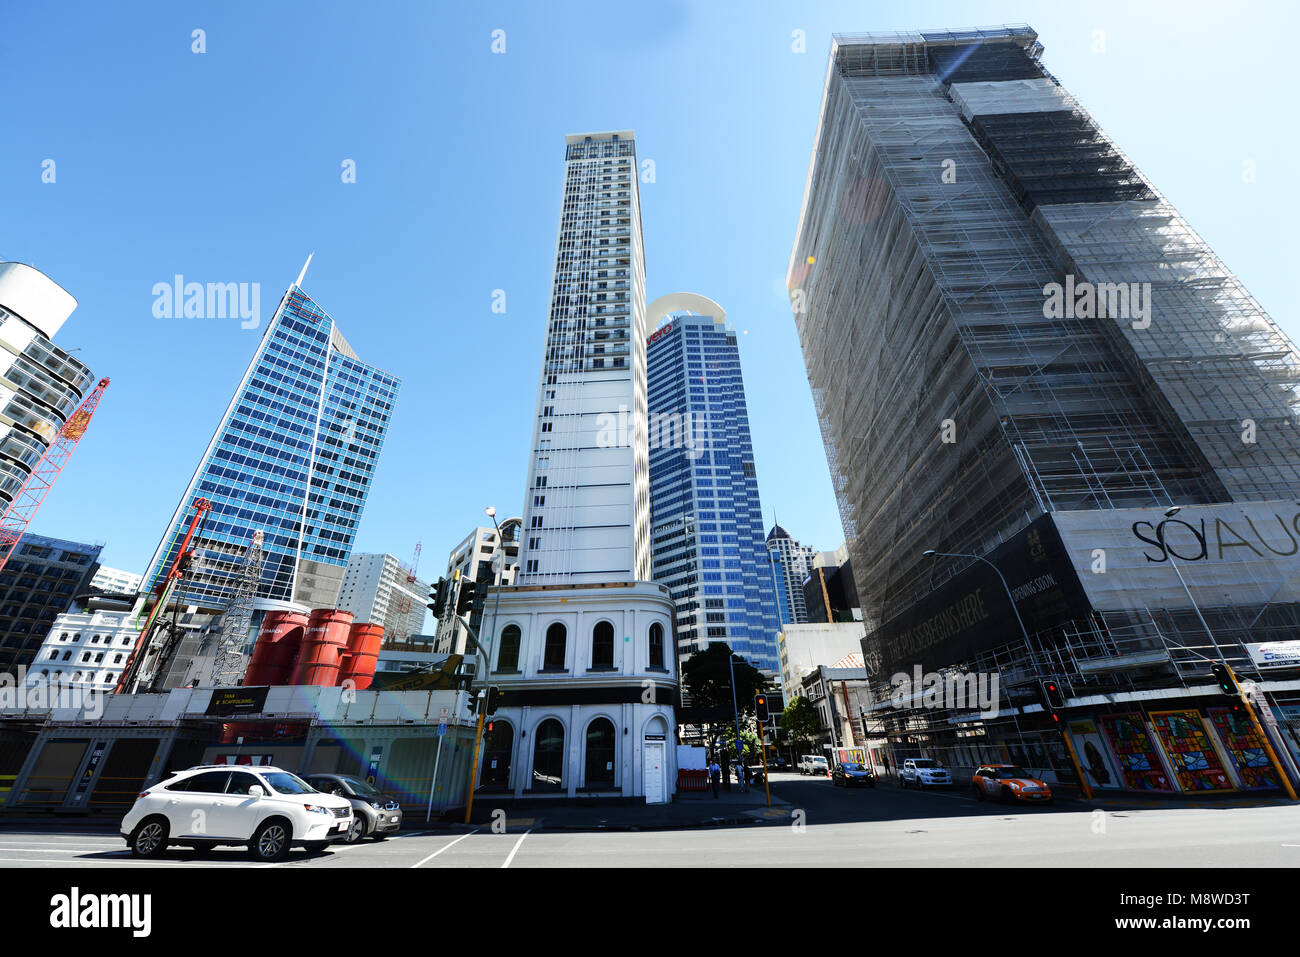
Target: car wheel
{"points": [[1006, 795], [979, 792], [271, 841], [149, 839], [357, 831]]}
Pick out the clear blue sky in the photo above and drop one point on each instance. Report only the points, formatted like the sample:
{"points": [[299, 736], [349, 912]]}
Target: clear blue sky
{"points": [[225, 167]]}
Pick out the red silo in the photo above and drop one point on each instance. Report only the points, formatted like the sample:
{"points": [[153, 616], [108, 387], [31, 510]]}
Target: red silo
{"points": [[325, 640], [363, 653], [276, 651]]}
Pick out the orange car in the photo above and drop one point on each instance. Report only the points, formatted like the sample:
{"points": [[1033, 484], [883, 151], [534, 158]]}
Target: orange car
{"points": [[1010, 782]]}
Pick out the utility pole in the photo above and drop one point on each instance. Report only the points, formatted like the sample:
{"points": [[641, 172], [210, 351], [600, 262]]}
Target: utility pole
{"points": [[735, 712]]}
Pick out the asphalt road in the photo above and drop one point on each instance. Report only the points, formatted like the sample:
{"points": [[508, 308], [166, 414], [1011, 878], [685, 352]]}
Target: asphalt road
{"points": [[822, 826]]}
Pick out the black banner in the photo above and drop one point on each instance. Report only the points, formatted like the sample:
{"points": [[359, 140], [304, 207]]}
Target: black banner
{"points": [[972, 612], [231, 701]]}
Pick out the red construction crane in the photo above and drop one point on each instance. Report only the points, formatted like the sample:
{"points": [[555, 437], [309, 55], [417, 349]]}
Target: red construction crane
{"points": [[19, 514], [154, 644]]}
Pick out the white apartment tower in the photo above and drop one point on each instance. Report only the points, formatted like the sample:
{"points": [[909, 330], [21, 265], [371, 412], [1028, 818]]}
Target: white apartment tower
{"points": [[377, 589], [581, 647], [587, 514]]}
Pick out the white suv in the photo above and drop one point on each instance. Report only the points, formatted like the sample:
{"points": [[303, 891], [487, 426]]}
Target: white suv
{"points": [[923, 773], [265, 808]]}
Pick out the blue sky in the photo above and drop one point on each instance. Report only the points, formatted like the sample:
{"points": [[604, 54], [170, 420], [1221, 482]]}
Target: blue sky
{"points": [[225, 167]]}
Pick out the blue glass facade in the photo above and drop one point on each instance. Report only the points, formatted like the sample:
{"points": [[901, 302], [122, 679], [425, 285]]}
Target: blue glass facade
{"points": [[293, 457], [706, 518]]}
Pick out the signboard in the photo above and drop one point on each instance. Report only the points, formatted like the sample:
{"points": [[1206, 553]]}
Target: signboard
{"points": [[96, 755], [442, 728], [1125, 557], [972, 612], [232, 701], [1275, 654]]}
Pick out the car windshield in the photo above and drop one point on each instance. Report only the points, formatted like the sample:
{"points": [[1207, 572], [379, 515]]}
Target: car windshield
{"points": [[360, 788], [853, 767], [286, 783], [818, 760], [924, 763], [1013, 772]]}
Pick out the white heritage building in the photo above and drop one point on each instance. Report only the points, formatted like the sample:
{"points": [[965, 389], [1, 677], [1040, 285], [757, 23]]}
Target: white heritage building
{"points": [[582, 646]]}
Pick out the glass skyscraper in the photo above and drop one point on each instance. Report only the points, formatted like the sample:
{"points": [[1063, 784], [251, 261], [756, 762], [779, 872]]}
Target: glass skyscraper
{"points": [[707, 521], [293, 457]]}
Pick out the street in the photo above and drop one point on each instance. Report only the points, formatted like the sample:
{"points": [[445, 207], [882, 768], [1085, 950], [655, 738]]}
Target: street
{"points": [[821, 826]]}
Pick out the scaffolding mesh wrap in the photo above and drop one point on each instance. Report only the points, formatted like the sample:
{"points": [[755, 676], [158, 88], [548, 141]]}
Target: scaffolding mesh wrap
{"points": [[976, 62]]}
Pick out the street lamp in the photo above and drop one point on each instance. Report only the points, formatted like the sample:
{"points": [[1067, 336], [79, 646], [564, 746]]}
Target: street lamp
{"points": [[1069, 746], [491, 513]]}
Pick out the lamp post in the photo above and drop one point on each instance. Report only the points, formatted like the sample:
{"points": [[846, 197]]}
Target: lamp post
{"points": [[1170, 512], [1069, 745], [491, 513]]}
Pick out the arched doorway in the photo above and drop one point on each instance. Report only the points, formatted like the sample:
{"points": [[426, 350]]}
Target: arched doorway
{"points": [[498, 747], [600, 774], [548, 756]]}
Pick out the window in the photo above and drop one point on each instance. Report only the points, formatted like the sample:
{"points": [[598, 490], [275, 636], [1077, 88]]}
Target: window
{"points": [[656, 645], [240, 782], [602, 645], [209, 782], [548, 756], [553, 659], [600, 756], [508, 656]]}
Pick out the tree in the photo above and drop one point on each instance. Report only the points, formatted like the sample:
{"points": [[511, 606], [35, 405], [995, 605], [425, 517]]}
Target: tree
{"points": [[801, 721], [707, 678]]}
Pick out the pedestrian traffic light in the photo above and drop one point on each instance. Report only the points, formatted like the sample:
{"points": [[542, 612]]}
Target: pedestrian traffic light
{"points": [[760, 708], [439, 596], [466, 597]]}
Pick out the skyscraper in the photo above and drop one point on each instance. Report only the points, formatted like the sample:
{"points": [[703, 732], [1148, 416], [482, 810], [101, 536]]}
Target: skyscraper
{"points": [[707, 524], [293, 457], [376, 589], [1025, 362], [587, 513], [581, 647], [40, 384], [790, 563], [42, 578]]}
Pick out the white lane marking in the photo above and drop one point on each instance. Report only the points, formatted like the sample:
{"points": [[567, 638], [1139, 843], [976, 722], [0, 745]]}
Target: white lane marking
{"points": [[445, 847], [515, 850]]}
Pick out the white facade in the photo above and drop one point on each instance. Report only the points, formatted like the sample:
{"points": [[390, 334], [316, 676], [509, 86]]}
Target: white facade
{"points": [[806, 647], [587, 510], [376, 589], [566, 659], [114, 581], [85, 649]]}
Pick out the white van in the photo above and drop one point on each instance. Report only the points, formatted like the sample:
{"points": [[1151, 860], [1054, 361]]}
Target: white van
{"points": [[813, 764]]}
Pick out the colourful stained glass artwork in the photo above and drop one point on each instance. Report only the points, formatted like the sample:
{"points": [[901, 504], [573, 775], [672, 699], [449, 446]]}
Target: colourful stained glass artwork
{"points": [[1190, 751], [1138, 761], [1244, 748]]}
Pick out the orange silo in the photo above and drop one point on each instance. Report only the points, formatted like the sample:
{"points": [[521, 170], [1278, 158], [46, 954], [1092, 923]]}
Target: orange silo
{"points": [[325, 640], [363, 653], [276, 651]]}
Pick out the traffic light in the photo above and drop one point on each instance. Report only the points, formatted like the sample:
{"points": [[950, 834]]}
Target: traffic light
{"points": [[473, 702], [466, 597], [1227, 684], [760, 708], [1049, 696], [439, 596], [492, 700]]}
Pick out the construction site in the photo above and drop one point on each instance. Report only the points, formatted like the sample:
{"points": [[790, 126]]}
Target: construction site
{"points": [[1064, 438]]}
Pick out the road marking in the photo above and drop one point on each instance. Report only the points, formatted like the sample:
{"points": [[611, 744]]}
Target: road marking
{"points": [[515, 849], [441, 849]]}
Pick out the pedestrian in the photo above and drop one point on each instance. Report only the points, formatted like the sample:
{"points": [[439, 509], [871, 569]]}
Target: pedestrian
{"points": [[715, 773]]}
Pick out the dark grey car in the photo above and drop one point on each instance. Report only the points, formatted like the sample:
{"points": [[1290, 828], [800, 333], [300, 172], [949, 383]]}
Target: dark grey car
{"points": [[374, 814]]}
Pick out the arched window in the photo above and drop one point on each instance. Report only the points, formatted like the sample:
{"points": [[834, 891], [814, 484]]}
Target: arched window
{"points": [[498, 744], [553, 660], [600, 756], [602, 645], [656, 645], [508, 656], [548, 756]]}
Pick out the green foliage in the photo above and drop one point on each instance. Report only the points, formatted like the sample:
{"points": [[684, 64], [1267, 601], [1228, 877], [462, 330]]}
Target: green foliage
{"points": [[800, 720], [708, 679]]}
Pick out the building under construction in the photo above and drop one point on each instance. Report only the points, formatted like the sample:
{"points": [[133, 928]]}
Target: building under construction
{"points": [[1024, 360]]}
